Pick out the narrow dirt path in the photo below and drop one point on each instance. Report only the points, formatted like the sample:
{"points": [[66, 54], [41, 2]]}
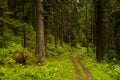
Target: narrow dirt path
{"points": [[77, 62], [89, 77], [77, 71]]}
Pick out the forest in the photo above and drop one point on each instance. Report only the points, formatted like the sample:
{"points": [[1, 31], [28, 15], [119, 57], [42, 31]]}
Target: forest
{"points": [[59, 39]]}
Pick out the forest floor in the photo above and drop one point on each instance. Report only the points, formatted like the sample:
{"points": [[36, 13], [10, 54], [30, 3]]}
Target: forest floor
{"points": [[80, 69]]}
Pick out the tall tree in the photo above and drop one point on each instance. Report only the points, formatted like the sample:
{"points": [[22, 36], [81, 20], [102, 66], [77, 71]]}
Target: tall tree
{"points": [[100, 39], [87, 29], [40, 42], [34, 14]]}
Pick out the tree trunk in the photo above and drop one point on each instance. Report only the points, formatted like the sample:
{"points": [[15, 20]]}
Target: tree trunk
{"points": [[34, 23], [87, 29], [24, 28], [94, 24], [45, 31], [55, 23], [24, 37], [100, 39], [40, 42], [62, 28]]}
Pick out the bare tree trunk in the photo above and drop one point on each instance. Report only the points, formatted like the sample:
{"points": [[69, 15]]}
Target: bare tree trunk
{"points": [[40, 42], [34, 23], [55, 32], [24, 28], [62, 28], [100, 39], [55, 24], [87, 29], [24, 37]]}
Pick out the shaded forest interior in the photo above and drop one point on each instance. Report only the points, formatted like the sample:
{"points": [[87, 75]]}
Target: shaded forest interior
{"points": [[37, 32]]}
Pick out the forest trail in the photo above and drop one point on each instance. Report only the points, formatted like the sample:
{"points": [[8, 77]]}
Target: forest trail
{"points": [[76, 63], [77, 71]]}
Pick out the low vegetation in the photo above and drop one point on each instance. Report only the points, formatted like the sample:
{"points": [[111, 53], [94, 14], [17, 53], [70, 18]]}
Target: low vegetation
{"points": [[99, 71], [57, 67], [46, 39]]}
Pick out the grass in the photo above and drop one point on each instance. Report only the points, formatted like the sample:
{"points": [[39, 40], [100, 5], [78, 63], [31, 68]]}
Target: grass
{"points": [[58, 67], [99, 71], [55, 69]]}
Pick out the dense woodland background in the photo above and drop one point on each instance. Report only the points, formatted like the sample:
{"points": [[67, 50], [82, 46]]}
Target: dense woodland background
{"points": [[37, 36]]}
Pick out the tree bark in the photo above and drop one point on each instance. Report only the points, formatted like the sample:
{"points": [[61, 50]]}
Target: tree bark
{"points": [[55, 23], [34, 23], [24, 37], [100, 39], [87, 29], [24, 28], [40, 42]]}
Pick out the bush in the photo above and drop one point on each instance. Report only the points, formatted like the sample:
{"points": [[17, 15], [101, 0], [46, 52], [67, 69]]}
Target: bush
{"points": [[7, 55]]}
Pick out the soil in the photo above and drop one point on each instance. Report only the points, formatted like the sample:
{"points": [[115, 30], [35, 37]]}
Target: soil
{"points": [[75, 63], [77, 71]]}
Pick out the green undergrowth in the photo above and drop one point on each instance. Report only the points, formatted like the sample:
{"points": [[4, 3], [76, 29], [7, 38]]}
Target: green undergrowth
{"points": [[99, 71], [59, 50], [58, 66], [55, 69]]}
